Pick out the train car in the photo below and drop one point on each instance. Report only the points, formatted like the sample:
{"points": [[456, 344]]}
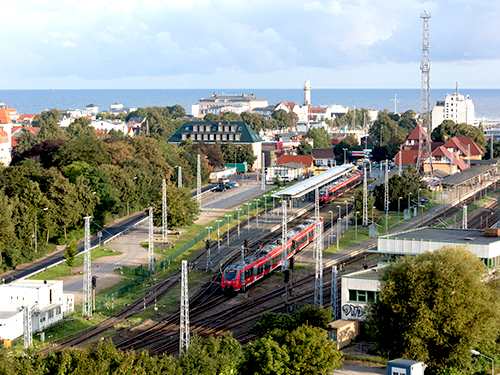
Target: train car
{"points": [[338, 187], [238, 276]]}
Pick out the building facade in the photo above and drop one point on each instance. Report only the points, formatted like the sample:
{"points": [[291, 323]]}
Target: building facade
{"points": [[455, 108], [199, 109]]}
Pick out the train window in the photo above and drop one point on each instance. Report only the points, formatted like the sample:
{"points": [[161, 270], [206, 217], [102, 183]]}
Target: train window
{"points": [[267, 266], [229, 274], [260, 269]]}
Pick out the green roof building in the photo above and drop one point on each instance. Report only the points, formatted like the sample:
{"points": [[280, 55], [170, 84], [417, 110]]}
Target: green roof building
{"points": [[237, 132]]}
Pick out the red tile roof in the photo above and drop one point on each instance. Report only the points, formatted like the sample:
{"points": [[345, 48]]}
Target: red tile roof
{"points": [[306, 160], [5, 116], [442, 151], [408, 157], [415, 134], [461, 143], [4, 137], [289, 105]]}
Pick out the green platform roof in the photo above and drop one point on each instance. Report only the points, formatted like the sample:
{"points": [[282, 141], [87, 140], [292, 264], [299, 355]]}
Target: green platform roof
{"points": [[248, 135]]}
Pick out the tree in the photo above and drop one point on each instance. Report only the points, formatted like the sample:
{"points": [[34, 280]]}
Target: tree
{"points": [[26, 141], [449, 129], [383, 128], [409, 182], [496, 149], [70, 253], [48, 121], [304, 148], [230, 116], [82, 126], [85, 148], [427, 305], [183, 209], [369, 206], [283, 118], [320, 136], [264, 356], [211, 117], [268, 322]]}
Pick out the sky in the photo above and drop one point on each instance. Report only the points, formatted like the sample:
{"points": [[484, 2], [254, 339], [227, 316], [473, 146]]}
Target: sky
{"points": [[210, 44]]}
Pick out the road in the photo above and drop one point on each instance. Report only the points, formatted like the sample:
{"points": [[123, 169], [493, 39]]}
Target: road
{"points": [[26, 269]]}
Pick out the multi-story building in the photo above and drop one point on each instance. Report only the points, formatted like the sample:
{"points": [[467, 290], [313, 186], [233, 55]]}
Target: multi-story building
{"points": [[5, 135], [209, 132], [455, 108], [199, 109]]}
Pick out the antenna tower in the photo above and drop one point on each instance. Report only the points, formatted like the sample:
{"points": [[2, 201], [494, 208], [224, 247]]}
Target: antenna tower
{"points": [[164, 212], [283, 233], [318, 281], [425, 99], [464, 217], [395, 101], [151, 249], [263, 165], [365, 199], [334, 293], [184, 313], [87, 273]]}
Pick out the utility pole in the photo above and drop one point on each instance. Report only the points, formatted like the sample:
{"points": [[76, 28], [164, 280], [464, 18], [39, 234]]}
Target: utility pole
{"points": [[179, 180], [87, 273], [365, 199], [184, 313], [334, 294], [151, 251], [263, 186], [425, 99], [198, 179], [283, 234], [464, 217], [318, 280], [164, 212], [386, 194]]}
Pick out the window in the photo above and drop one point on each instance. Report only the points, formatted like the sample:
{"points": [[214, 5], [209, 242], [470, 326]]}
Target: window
{"points": [[195, 128], [237, 137], [184, 136], [362, 296], [224, 137], [212, 137], [231, 137], [205, 137]]}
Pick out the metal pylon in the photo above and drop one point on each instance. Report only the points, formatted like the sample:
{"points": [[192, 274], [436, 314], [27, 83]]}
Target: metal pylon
{"points": [[198, 179], [184, 313], [151, 249], [318, 280], [283, 234], [464, 217], [334, 294], [87, 273], [365, 199], [386, 187], [263, 172], [164, 223], [27, 331], [425, 98], [179, 178]]}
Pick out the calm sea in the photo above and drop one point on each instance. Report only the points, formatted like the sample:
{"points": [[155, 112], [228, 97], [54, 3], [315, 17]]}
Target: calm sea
{"points": [[486, 101]]}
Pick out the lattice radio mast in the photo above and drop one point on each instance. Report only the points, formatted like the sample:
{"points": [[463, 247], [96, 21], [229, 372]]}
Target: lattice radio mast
{"points": [[184, 313], [365, 199], [318, 281], [87, 273], [198, 178], [425, 98], [151, 249], [164, 212]]}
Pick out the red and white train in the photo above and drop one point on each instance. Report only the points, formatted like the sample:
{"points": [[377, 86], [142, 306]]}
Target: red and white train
{"points": [[339, 186], [238, 276]]}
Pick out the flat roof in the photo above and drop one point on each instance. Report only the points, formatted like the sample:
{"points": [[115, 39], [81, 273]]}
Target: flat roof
{"points": [[31, 283], [8, 314], [374, 273], [309, 184], [468, 174], [464, 236]]}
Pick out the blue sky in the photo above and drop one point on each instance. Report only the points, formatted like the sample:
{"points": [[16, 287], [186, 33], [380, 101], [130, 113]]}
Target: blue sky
{"points": [[214, 44]]}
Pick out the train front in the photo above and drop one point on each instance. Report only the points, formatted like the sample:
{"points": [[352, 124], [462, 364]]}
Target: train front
{"points": [[231, 279]]}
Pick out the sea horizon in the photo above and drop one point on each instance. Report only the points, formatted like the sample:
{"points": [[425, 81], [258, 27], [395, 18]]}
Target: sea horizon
{"points": [[486, 101]]}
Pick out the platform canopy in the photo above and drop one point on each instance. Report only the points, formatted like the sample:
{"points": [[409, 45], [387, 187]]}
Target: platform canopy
{"points": [[303, 187]]}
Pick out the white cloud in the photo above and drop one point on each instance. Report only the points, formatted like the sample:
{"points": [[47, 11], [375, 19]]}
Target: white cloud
{"points": [[68, 44]]}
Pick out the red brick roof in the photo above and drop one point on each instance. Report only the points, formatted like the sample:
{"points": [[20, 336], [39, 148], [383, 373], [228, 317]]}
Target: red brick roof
{"points": [[442, 151], [408, 157], [461, 143], [289, 105], [415, 134], [5, 116], [306, 160]]}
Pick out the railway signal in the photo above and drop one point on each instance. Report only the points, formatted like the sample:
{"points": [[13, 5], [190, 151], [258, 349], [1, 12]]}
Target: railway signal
{"points": [[287, 276], [246, 244]]}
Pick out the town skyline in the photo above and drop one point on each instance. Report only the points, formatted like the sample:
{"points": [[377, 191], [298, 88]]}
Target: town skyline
{"points": [[216, 43]]}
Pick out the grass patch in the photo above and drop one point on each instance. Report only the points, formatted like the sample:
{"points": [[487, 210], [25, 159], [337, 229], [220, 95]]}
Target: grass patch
{"points": [[364, 360], [63, 269]]}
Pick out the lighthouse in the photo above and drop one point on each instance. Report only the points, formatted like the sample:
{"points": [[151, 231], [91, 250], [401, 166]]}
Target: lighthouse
{"points": [[307, 93]]}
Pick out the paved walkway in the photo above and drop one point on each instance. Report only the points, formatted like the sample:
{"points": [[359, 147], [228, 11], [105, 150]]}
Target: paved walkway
{"points": [[352, 369]]}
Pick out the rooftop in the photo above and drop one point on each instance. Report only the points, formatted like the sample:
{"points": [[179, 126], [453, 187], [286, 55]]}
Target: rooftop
{"points": [[455, 236], [374, 273]]}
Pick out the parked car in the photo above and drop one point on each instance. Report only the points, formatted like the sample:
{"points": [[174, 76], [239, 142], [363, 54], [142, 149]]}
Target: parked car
{"points": [[424, 200], [231, 185], [220, 188]]}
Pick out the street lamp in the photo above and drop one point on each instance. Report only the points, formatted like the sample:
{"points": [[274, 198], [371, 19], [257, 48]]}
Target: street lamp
{"points": [[372, 215], [418, 202], [265, 208], [338, 234], [345, 149], [346, 221], [218, 235], [331, 225], [475, 352], [228, 216], [340, 215], [36, 231], [273, 205], [410, 193], [257, 212], [356, 226], [209, 262], [399, 202], [248, 216], [238, 209]]}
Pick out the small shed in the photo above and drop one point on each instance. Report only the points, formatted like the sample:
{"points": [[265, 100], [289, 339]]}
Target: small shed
{"points": [[342, 332], [405, 367]]}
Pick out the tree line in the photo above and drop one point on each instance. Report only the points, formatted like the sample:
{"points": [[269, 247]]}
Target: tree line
{"points": [[61, 176]]}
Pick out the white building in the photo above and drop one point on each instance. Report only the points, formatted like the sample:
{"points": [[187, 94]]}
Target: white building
{"points": [[47, 299], [5, 135], [307, 93], [237, 108], [291, 107], [455, 108], [358, 289], [107, 125], [198, 110]]}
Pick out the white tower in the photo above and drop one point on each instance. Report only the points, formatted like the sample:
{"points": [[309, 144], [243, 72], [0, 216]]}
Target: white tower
{"points": [[307, 93]]}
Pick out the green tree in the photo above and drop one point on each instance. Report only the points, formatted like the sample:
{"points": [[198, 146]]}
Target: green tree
{"points": [[304, 148], [183, 209], [230, 116], [409, 182], [211, 117], [48, 121], [383, 128], [320, 136], [496, 149], [264, 356], [82, 126], [26, 141], [70, 253], [284, 119], [86, 148], [268, 322], [427, 305], [449, 129]]}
